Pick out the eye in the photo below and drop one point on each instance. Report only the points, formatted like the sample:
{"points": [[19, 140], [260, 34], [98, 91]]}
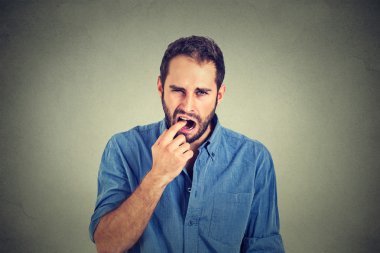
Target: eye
{"points": [[201, 92], [177, 91]]}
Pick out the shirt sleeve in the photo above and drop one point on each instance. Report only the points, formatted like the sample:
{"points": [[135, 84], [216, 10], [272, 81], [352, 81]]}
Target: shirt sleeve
{"points": [[113, 186], [263, 230]]}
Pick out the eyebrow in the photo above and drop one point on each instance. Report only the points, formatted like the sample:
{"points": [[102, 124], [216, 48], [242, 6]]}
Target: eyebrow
{"points": [[173, 86], [204, 89]]}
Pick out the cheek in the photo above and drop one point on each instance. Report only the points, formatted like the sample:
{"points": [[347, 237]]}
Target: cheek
{"points": [[172, 100], [208, 107], [170, 104]]}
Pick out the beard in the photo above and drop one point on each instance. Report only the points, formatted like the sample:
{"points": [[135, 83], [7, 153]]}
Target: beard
{"points": [[201, 123]]}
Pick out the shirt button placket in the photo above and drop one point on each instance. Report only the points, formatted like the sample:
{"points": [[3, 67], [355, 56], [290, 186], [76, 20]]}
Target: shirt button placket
{"points": [[191, 231]]}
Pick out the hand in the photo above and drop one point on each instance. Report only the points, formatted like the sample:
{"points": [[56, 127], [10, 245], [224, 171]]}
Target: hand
{"points": [[170, 155]]}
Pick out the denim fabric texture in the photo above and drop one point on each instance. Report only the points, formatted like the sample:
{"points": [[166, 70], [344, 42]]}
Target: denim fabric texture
{"points": [[229, 206]]}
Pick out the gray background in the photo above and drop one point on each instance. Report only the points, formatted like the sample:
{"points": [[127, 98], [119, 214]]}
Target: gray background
{"points": [[302, 77]]}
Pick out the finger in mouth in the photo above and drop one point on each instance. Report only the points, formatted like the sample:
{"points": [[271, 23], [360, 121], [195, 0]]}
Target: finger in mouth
{"points": [[190, 124]]}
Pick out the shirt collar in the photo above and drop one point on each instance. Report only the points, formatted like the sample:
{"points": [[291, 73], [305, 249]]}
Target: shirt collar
{"points": [[163, 126], [213, 141]]}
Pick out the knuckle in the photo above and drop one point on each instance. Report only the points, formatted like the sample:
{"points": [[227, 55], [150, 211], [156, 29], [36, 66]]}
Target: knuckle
{"points": [[181, 137], [168, 149]]}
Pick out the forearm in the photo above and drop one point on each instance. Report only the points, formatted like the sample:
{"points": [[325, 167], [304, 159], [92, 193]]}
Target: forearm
{"points": [[120, 229]]}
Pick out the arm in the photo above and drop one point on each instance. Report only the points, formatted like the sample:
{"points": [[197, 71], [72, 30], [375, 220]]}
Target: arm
{"points": [[120, 229], [263, 231]]}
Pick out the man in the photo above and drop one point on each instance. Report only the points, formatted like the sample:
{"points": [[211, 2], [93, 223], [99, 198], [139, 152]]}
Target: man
{"points": [[186, 184]]}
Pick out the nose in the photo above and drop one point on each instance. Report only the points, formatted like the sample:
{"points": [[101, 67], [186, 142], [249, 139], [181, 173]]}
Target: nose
{"points": [[188, 104]]}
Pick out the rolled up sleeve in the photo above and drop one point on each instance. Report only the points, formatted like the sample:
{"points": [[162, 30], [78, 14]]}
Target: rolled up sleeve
{"points": [[113, 187]]}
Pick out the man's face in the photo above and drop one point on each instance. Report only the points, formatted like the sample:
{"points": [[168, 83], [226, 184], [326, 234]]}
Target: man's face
{"points": [[190, 93]]}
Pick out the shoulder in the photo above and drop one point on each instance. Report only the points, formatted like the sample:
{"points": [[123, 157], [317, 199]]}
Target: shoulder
{"points": [[247, 155], [136, 136], [237, 140]]}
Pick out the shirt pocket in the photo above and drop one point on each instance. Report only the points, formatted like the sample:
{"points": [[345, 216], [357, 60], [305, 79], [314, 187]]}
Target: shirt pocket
{"points": [[229, 217]]}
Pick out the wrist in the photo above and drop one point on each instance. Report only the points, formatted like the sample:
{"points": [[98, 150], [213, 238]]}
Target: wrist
{"points": [[156, 180], [150, 189]]}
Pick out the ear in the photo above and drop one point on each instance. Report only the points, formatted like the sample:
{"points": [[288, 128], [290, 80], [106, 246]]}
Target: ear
{"points": [[221, 92], [160, 86]]}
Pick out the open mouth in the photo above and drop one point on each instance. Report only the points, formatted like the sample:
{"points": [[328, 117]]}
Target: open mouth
{"points": [[190, 124]]}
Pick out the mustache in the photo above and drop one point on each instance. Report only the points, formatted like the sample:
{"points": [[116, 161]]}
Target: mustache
{"points": [[191, 115]]}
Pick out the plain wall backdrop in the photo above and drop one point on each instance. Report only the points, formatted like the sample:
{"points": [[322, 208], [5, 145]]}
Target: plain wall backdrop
{"points": [[302, 77]]}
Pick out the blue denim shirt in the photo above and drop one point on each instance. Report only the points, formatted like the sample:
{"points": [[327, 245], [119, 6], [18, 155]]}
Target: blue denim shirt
{"points": [[229, 206]]}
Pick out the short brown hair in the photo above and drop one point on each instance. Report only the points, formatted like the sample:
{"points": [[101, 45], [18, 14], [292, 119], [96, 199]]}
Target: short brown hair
{"points": [[199, 48]]}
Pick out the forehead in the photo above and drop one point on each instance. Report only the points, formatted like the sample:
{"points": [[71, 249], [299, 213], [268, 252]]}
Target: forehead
{"points": [[186, 70]]}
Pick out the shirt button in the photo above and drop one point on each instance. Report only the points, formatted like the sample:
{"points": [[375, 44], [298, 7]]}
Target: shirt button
{"points": [[191, 222], [189, 189], [213, 154]]}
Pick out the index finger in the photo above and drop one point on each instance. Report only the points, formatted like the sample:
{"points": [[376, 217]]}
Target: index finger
{"points": [[171, 132]]}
